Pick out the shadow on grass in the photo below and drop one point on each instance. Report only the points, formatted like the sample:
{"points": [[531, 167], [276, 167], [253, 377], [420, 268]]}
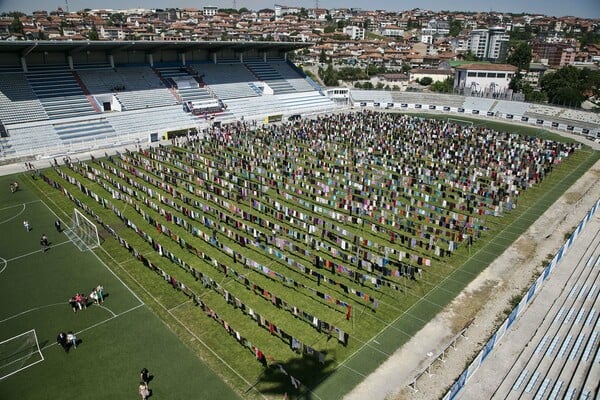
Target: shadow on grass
{"points": [[276, 380]]}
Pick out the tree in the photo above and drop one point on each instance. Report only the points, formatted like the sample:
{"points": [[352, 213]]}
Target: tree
{"points": [[535, 96], [425, 81], [445, 86], [521, 34], [322, 56], [373, 69], [93, 34], [117, 19], [568, 96], [470, 56], [521, 56], [589, 38], [329, 29], [367, 24], [330, 77], [368, 85], [16, 26], [569, 85], [455, 28]]}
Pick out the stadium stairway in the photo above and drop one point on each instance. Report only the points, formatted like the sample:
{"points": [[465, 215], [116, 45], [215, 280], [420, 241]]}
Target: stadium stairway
{"points": [[265, 72], [167, 84], [174, 74], [86, 92]]}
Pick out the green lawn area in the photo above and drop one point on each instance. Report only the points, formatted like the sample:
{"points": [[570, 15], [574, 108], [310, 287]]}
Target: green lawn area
{"points": [[117, 338]]}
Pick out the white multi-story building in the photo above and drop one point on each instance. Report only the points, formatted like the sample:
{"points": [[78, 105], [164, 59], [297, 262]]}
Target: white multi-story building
{"points": [[434, 27], [488, 44], [497, 43], [355, 32], [209, 11], [391, 31], [280, 10], [477, 42], [426, 38]]}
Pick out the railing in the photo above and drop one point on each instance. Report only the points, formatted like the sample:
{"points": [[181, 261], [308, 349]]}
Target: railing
{"points": [[527, 298]]}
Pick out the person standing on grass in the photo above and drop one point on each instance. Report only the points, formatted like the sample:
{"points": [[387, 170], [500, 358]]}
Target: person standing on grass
{"points": [[62, 340], [72, 339], [57, 225], [100, 293], [73, 304], [143, 390], [94, 296], [145, 376], [44, 242], [26, 225]]}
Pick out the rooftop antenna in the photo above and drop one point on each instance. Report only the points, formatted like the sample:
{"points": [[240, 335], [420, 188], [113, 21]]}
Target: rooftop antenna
{"points": [[234, 4], [317, 4], [67, 4]]}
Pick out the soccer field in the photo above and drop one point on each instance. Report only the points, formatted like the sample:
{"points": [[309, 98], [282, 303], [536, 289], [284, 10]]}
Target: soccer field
{"points": [[201, 255], [116, 338]]}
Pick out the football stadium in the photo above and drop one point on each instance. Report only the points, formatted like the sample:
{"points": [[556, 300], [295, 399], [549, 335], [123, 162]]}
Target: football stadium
{"points": [[207, 211]]}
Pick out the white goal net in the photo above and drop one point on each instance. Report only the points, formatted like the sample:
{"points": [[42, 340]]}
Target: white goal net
{"points": [[85, 231], [19, 352]]}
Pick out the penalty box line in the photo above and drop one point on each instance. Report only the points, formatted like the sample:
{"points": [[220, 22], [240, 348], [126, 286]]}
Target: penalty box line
{"points": [[181, 323], [100, 323], [96, 255]]}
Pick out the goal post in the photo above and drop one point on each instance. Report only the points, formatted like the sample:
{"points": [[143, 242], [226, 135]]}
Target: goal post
{"points": [[19, 352], [85, 230]]}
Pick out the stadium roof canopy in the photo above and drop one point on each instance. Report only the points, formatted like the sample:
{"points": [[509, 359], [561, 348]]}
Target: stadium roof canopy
{"points": [[26, 47]]}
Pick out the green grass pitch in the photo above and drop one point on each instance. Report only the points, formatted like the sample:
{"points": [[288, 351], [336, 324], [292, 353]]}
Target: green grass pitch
{"points": [[145, 322], [118, 338]]}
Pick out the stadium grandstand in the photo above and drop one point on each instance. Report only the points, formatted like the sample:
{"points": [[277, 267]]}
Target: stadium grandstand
{"points": [[60, 98], [69, 97]]}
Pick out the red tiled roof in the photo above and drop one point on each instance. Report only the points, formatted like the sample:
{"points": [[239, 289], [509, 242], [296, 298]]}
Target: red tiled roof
{"points": [[489, 67]]}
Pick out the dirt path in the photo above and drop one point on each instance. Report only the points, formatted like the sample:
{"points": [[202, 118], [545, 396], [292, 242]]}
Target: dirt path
{"points": [[485, 301]]}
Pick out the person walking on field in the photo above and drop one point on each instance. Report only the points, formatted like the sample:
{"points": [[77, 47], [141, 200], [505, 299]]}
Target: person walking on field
{"points": [[57, 225]]}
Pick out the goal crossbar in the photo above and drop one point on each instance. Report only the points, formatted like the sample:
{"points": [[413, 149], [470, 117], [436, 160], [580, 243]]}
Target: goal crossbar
{"points": [[18, 353], [85, 232]]}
